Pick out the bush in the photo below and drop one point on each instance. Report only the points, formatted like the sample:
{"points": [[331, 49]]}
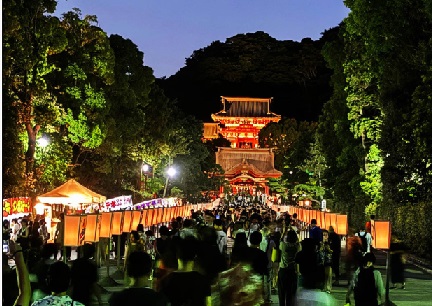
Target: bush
{"points": [[412, 225]]}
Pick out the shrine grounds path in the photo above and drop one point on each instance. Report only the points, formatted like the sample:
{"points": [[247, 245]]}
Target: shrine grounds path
{"points": [[418, 290]]}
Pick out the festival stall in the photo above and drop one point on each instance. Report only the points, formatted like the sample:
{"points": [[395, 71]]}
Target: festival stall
{"points": [[69, 198]]}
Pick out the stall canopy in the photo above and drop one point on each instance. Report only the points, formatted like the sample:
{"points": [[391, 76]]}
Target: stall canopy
{"points": [[71, 192]]}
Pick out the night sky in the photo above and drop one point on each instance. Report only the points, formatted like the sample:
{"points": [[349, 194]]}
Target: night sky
{"points": [[168, 31]]}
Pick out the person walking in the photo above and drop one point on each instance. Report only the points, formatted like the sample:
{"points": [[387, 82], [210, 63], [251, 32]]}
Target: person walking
{"points": [[288, 268], [397, 264], [186, 286], [326, 254], [335, 246], [139, 268], [367, 284]]}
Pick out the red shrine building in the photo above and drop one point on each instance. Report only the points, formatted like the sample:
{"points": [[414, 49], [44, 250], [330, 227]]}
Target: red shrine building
{"points": [[247, 167]]}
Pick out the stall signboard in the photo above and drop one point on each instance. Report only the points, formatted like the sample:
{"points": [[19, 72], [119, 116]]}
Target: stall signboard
{"points": [[118, 203], [16, 206]]}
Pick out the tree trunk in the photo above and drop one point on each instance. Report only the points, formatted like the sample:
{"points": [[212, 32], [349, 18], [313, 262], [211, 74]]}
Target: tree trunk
{"points": [[29, 155]]}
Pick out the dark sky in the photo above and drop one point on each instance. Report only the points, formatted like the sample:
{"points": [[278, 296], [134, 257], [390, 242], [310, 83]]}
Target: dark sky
{"points": [[168, 31]]}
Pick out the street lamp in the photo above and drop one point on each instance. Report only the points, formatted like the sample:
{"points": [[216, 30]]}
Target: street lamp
{"points": [[43, 142], [144, 169], [170, 173]]}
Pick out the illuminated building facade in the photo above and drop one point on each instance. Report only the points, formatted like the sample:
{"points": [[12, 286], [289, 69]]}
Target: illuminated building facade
{"points": [[247, 167]]}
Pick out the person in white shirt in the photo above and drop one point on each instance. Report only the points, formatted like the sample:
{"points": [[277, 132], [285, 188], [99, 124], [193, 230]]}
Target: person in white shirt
{"points": [[366, 238], [221, 236], [15, 229]]}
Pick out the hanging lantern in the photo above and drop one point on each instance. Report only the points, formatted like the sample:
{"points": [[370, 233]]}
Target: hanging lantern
{"points": [[99, 222], [302, 215], [155, 216], [333, 220], [341, 225], [165, 214], [136, 219], [117, 223], [91, 228], [149, 216], [71, 235], [127, 221], [314, 214], [381, 232], [318, 218], [327, 219], [106, 225], [322, 219], [144, 217]]}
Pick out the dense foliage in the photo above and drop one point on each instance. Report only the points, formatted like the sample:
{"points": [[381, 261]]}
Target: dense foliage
{"points": [[98, 105], [253, 65]]}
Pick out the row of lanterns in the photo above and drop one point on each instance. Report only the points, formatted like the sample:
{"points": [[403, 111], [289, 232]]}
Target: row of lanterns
{"points": [[380, 230], [324, 219], [79, 229]]}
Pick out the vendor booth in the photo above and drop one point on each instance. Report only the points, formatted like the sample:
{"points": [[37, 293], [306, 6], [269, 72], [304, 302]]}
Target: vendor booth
{"points": [[69, 198]]}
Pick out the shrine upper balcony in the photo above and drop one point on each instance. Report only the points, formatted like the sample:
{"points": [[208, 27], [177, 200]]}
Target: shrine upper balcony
{"points": [[245, 110]]}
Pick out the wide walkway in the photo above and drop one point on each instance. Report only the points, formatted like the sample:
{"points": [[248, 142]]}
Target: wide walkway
{"points": [[418, 290]]}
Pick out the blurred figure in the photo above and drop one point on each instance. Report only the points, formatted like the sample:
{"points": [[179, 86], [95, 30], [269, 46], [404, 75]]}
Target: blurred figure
{"points": [[186, 286], [139, 269], [310, 293], [326, 254], [84, 277], [335, 246], [315, 232], [239, 285], [10, 286], [397, 264], [43, 231], [288, 271], [367, 284], [210, 261], [40, 271], [58, 281], [354, 255]]}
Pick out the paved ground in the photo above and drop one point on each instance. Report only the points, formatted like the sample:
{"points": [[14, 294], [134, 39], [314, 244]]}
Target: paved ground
{"points": [[418, 290]]}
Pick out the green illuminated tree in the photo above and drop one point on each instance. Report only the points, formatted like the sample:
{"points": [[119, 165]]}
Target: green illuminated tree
{"points": [[30, 36]]}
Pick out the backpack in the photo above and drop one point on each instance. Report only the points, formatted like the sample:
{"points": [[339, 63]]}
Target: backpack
{"points": [[291, 249], [363, 242], [365, 291]]}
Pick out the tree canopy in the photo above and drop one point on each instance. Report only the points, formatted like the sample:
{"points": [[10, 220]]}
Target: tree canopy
{"points": [[253, 64]]}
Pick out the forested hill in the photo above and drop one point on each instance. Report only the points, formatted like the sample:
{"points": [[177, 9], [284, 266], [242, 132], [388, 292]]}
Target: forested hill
{"points": [[255, 65]]}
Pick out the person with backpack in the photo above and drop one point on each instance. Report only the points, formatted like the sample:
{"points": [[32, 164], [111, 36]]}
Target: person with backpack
{"points": [[367, 284], [267, 245], [221, 237], [366, 240], [288, 268]]}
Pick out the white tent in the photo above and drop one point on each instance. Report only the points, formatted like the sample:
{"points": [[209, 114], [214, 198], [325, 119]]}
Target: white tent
{"points": [[71, 192]]}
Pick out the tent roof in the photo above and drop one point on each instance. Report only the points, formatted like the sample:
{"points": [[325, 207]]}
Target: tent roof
{"points": [[71, 192]]}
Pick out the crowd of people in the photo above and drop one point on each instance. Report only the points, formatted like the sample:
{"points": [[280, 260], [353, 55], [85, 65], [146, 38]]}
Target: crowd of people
{"points": [[188, 262]]}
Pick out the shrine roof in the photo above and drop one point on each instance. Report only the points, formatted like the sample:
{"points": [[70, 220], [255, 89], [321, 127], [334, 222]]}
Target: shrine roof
{"points": [[211, 130], [258, 161], [245, 107]]}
